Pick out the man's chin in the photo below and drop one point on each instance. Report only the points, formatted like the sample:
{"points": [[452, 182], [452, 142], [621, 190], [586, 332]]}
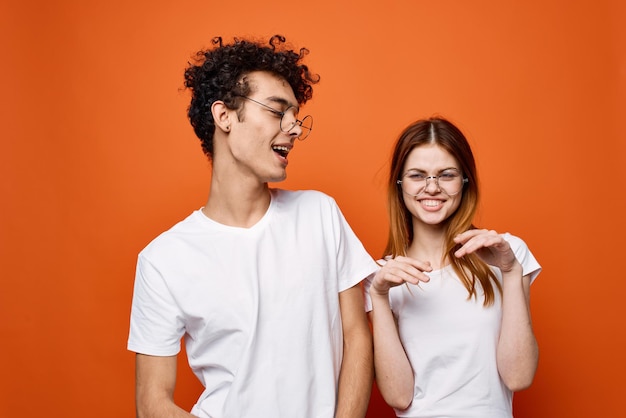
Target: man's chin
{"points": [[282, 177]]}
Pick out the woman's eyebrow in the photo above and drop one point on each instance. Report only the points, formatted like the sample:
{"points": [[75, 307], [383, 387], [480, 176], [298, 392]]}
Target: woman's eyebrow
{"points": [[425, 171]]}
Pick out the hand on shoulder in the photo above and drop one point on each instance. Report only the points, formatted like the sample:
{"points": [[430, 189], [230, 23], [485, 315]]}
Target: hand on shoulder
{"points": [[489, 245]]}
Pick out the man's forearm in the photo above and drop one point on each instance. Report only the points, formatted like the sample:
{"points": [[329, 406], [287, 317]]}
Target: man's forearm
{"points": [[355, 379], [163, 410]]}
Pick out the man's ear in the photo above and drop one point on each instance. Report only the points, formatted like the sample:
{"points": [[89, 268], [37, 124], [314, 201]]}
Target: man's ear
{"points": [[221, 115]]}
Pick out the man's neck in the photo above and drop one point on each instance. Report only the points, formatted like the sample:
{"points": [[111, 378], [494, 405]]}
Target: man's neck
{"points": [[237, 204]]}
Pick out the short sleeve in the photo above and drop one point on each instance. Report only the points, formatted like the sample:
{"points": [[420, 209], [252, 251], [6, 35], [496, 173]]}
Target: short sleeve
{"points": [[156, 325], [530, 266], [353, 262], [367, 283]]}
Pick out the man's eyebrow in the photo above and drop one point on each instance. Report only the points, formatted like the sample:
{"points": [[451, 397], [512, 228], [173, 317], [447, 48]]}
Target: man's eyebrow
{"points": [[282, 101]]}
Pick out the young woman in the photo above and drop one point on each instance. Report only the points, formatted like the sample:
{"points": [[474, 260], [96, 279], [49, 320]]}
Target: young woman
{"points": [[450, 305]]}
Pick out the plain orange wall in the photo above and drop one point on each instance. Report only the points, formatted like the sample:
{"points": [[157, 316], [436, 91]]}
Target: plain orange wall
{"points": [[98, 158]]}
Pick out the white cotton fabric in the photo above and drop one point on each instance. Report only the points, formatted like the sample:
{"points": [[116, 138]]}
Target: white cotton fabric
{"points": [[451, 343], [258, 307]]}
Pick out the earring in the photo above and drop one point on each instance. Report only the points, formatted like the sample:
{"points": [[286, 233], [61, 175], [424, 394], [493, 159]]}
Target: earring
{"points": [[227, 128]]}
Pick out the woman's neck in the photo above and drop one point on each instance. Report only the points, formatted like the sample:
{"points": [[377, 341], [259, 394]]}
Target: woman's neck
{"points": [[428, 245]]}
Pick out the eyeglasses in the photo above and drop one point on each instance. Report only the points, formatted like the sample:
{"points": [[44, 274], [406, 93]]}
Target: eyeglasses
{"points": [[289, 119], [449, 181]]}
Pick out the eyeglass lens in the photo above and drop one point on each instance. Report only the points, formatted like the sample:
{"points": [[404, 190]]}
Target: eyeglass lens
{"points": [[290, 119], [450, 183]]}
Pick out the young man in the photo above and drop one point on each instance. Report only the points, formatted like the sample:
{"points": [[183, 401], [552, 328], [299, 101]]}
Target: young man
{"points": [[263, 284]]}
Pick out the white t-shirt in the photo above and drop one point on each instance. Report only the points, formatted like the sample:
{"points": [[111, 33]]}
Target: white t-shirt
{"points": [[451, 343], [258, 307]]}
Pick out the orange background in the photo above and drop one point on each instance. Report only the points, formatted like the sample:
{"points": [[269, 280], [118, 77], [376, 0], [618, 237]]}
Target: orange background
{"points": [[98, 158]]}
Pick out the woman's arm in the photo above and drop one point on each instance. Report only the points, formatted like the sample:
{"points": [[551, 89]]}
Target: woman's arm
{"points": [[394, 375], [517, 351]]}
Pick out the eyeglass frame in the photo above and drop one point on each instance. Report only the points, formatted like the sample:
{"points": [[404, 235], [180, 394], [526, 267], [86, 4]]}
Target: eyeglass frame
{"points": [[299, 122], [436, 178]]}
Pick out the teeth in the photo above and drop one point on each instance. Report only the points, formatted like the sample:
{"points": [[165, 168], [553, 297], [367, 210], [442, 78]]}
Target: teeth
{"points": [[431, 202], [281, 149]]}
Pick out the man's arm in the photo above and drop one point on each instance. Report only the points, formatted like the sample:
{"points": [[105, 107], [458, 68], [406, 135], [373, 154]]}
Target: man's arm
{"points": [[357, 370], [155, 380]]}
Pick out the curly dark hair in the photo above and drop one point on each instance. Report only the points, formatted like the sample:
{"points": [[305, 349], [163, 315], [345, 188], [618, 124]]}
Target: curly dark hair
{"points": [[218, 74]]}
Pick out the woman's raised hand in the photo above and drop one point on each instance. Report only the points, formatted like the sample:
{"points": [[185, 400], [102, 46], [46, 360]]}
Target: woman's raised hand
{"points": [[397, 271], [490, 246]]}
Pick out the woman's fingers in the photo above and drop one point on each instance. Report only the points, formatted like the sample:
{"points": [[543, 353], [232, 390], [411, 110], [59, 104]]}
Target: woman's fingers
{"points": [[399, 270]]}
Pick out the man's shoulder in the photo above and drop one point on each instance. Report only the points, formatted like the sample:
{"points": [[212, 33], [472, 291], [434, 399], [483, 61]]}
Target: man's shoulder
{"points": [[181, 232], [302, 196]]}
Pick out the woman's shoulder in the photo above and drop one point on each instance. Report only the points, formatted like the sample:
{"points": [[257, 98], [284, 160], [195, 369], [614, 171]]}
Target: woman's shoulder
{"points": [[523, 254], [514, 241]]}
